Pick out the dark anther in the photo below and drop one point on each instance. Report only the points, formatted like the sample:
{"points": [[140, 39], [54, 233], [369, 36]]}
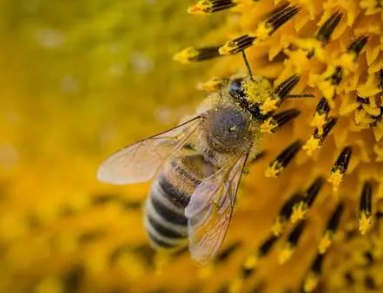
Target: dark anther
{"points": [[326, 129], [287, 208], [218, 5], [357, 45], [227, 252], [326, 30], [206, 54], [285, 157], [337, 76], [363, 101], [313, 191], [267, 245], [323, 106], [286, 86], [343, 160], [285, 116], [334, 220], [366, 199], [316, 266], [296, 233], [241, 43], [281, 15]]}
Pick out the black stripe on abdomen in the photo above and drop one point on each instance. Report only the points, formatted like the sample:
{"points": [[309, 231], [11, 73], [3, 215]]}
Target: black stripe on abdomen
{"points": [[174, 195], [169, 215], [160, 243], [163, 230]]}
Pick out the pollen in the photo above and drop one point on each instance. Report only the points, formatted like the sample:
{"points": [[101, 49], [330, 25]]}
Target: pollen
{"points": [[336, 179], [365, 222], [325, 242], [311, 282], [312, 145], [299, 212], [270, 105], [267, 127]]}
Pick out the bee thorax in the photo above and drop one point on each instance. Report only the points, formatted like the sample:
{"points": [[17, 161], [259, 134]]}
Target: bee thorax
{"points": [[229, 129]]}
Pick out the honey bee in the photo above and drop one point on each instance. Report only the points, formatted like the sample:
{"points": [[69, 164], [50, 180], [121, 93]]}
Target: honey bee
{"points": [[197, 166]]}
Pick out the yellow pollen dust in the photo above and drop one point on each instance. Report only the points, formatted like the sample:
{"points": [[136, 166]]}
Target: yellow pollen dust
{"points": [[285, 253], [263, 31], [202, 7], [257, 90], [311, 282], [186, 55], [269, 105], [336, 179], [273, 170], [227, 48], [299, 212], [311, 145], [278, 226], [319, 121], [268, 126], [365, 223], [325, 242]]}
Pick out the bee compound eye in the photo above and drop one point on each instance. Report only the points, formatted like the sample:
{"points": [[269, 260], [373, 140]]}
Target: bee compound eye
{"points": [[236, 89]]}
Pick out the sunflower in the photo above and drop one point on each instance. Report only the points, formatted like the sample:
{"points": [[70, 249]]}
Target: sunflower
{"points": [[309, 210]]}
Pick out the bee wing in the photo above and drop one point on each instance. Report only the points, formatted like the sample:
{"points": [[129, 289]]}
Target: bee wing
{"points": [[210, 209], [140, 162]]}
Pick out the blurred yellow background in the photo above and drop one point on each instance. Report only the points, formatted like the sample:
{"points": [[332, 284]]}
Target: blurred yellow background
{"points": [[79, 80]]}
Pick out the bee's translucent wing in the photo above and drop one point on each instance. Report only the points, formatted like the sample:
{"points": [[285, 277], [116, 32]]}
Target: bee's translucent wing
{"points": [[140, 162], [210, 209]]}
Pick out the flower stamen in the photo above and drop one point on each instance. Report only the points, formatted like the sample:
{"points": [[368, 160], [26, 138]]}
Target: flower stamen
{"points": [[311, 281], [278, 17], [365, 209], [332, 226], [192, 54], [357, 46], [301, 208], [283, 159], [340, 167], [237, 45], [317, 139], [251, 263], [321, 115], [211, 6], [285, 213], [326, 30], [265, 29], [280, 93], [276, 121], [288, 248]]}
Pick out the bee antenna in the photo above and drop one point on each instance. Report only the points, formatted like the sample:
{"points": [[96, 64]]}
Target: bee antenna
{"points": [[247, 64]]}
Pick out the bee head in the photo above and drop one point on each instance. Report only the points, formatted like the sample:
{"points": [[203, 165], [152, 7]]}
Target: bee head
{"points": [[250, 93]]}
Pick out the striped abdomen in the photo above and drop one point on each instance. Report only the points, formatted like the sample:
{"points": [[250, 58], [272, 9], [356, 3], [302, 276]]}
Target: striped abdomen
{"points": [[165, 218]]}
